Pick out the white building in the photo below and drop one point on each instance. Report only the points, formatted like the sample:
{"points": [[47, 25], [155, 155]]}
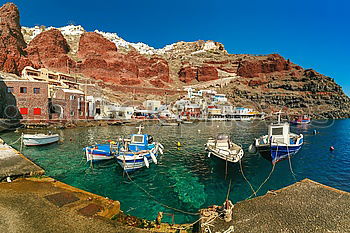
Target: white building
{"points": [[152, 105], [220, 98], [180, 105], [124, 113], [227, 109], [243, 111]]}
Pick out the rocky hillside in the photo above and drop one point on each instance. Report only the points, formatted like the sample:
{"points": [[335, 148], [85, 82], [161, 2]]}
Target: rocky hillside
{"points": [[267, 82]]}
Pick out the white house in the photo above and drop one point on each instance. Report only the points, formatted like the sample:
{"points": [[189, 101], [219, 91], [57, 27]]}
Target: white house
{"points": [[124, 113], [152, 105]]}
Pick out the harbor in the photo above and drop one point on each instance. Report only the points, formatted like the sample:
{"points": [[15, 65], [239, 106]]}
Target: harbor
{"points": [[295, 208], [186, 118], [177, 174]]}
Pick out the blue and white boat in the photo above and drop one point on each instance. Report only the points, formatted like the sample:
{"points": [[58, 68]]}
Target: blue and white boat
{"points": [[100, 152], [279, 143], [138, 151]]}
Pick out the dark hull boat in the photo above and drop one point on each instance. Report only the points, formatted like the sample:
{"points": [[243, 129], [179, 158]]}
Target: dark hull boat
{"points": [[279, 143]]}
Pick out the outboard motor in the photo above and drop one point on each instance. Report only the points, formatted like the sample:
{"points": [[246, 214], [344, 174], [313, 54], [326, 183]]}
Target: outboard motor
{"points": [[150, 139]]}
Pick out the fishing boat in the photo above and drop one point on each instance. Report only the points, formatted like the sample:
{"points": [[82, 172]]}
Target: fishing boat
{"points": [[39, 139], [223, 148], [279, 143], [138, 151], [301, 120], [100, 152]]}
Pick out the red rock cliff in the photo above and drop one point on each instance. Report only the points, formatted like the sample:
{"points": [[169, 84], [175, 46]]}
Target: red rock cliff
{"points": [[12, 44], [49, 49]]}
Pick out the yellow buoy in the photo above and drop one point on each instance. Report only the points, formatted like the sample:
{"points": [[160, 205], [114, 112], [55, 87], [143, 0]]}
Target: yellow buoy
{"points": [[178, 144]]}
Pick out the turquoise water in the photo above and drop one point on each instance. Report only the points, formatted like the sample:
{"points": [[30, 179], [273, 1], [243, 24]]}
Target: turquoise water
{"points": [[185, 177]]}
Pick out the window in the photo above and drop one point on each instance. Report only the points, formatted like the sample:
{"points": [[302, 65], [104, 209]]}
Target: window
{"points": [[72, 97], [23, 111], [72, 113], [81, 113], [137, 139], [37, 111], [36, 90], [277, 131], [10, 90], [23, 90]]}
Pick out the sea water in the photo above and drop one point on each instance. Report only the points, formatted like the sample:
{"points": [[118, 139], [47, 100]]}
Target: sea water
{"points": [[185, 177]]}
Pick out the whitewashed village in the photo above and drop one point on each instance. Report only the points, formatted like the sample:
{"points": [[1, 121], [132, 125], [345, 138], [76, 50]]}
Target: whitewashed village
{"points": [[44, 95]]}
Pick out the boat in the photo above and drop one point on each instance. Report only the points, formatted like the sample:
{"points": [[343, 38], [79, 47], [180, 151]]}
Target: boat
{"points": [[301, 120], [100, 152], [279, 143], [169, 123], [223, 148], [137, 151], [39, 139], [187, 122]]}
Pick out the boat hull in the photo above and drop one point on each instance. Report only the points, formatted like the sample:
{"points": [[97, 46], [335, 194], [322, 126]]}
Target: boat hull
{"points": [[39, 141], [98, 153], [303, 122], [169, 124], [232, 159], [276, 153], [131, 162]]}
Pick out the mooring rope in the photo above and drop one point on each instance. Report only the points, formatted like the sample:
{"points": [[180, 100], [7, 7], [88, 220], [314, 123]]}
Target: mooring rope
{"points": [[290, 164], [250, 185], [154, 199], [228, 190], [273, 168], [15, 141]]}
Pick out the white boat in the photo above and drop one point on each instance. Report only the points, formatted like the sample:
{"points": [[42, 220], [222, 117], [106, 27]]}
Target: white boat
{"points": [[138, 151], [169, 123], [39, 139], [279, 143], [223, 148]]}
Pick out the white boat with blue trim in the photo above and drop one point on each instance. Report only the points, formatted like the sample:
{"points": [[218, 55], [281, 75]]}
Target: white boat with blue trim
{"points": [[100, 152], [138, 151], [279, 143]]}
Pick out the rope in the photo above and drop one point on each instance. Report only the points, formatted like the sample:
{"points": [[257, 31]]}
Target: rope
{"points": [[228, 190], [273, 168], [15, 141], [154, 199], [250, 185], [186, 227], [207, 224], [226, 168], [290, 164]]}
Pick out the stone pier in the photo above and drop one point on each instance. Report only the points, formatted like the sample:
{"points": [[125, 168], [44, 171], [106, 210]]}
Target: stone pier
{"points": [[14, 164]]}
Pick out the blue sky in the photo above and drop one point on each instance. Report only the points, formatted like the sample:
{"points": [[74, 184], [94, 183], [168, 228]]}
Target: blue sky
{"points": [[313, 34]]}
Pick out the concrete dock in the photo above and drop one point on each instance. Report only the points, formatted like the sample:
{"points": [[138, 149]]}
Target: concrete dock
{"points": [[45, 205], [305, 206], [14, 164]]}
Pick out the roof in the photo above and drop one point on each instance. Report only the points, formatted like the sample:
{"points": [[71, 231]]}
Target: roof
{"points": [[73, 91], [22, 80]]}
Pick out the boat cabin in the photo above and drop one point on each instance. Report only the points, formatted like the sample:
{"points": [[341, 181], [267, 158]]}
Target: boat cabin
{"points": [[222, 141], [279, 133], [140, 142]]}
